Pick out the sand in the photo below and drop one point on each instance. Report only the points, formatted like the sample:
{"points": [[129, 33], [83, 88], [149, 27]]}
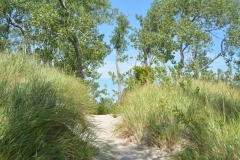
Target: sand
{"points": [[113, 147]]}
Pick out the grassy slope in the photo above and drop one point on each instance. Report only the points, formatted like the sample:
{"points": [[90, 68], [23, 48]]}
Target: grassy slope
{"points": [[42, 112], [203, 114]]}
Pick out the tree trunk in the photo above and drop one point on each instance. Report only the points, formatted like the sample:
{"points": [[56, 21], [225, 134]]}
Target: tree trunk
{"points": [[74, 41], [4, 45], [195, 69], [182, 55], [145, 58], [196, 74], [118, 77], [220, 54], [181, 63]]}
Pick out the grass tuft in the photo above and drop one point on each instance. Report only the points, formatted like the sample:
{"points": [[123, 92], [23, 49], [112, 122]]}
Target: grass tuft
{"points": [[202, 117], [42, 112]]}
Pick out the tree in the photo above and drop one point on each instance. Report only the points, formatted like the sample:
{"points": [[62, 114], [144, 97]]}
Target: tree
{"points": [[151, 44], [14, 19], [120, 44], [190, 26], [55, 30], [75, 22], [61, 33]]}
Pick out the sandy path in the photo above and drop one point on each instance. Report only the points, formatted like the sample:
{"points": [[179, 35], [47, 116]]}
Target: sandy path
{"points": [[115, 148]]}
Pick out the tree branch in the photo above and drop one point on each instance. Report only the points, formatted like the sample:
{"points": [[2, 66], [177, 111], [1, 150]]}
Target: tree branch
{"points": [[75, 43], [194, 18], [12, 22], [73, 39], [185, 47], [7, 33], [210, 30], [214, 35], [63, 4], [210, 62], [182, 51]]}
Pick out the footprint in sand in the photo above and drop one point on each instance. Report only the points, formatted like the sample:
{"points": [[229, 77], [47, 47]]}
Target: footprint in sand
{"points": [[116, 148]]}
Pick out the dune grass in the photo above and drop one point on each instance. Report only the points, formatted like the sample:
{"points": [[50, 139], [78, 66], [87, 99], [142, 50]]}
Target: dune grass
{"points": [[201, 116], [42, 112]]}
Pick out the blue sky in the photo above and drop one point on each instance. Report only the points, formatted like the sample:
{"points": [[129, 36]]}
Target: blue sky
{"points": [[131, 8]]}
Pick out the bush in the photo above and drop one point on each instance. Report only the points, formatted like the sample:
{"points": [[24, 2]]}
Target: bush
{"points": [[144, 74], [105, 106], [42, 112], [138, 76]]}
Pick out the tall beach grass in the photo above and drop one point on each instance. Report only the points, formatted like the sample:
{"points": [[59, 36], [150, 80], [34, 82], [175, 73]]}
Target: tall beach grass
{"points": [[42, 112], [202, 117]]}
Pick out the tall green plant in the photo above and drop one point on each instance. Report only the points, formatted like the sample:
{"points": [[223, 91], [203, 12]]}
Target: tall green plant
{"points": [[120, 44], [203, 117], [42, 112]]}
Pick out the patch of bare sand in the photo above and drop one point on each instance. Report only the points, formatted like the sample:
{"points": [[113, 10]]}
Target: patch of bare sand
{"points": [[116, 148]]}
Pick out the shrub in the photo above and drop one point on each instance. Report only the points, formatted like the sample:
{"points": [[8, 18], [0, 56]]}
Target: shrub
{"points": [[144, 74], [138, 76], [105, 106]]}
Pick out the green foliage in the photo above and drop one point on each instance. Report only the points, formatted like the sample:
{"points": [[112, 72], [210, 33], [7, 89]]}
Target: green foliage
{"points": [[105, 106], [188, 28], [130, 82], [198, 65], [138, 76], [42, 112], [237, 68], [119, 33], [63, 33], [144, 74], [152, 45], [162, 75]]}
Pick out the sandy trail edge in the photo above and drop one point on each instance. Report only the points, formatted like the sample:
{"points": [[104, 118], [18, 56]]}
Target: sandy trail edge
{"points": [[115, 148]]}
